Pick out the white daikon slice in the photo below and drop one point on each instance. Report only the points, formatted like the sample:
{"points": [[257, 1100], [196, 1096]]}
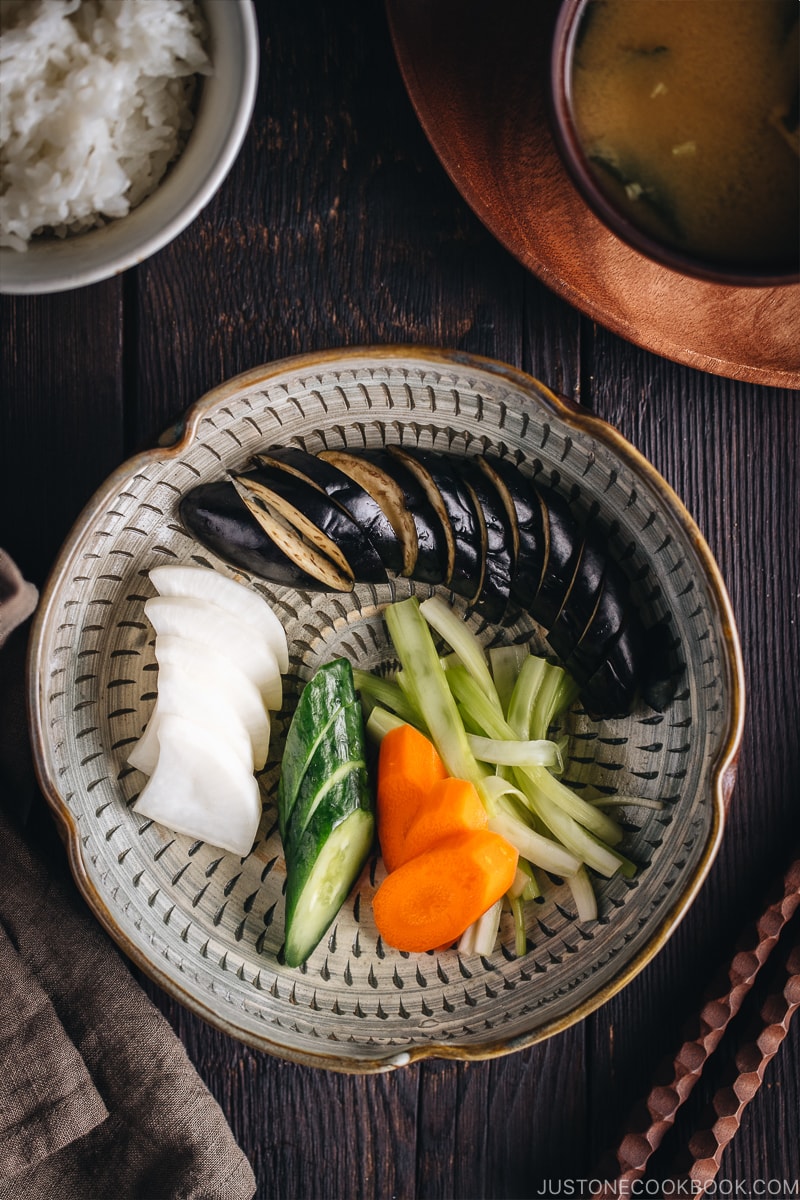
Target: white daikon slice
{"points": [[211, 670], [188, 695], [207, 625], [201, 789], [204, 584]]}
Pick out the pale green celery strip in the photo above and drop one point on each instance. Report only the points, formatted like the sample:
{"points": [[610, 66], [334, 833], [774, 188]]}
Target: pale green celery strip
{"points": [[505, 663], [471, 726], [531, 889], [387, 693], [467, 692], [552, 799], [523, 697], [473, 700], [424, 680], [633, 801], [486, 929], [466, 943], [380, 721], [521, 881], [583, 894], [626, 867], [541, 851], [597, 822], [520, 934], [573, 837], [580, 841], [503, 752], [462, 640], [552, 699]]}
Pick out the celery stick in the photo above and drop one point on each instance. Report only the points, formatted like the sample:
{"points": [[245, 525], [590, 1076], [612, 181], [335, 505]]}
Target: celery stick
{"points": [[486, 929], [521, 881], [526, 885], [588, 815], [576, 839], [466, 943], [549, 701], [532, 891], [387, 693], [424, 680], [474, 701], [520, 933], [503, 752], [381, 721], [583, 894], [462, 640], [634, 801], [523, 697], [505, 663], [541, 851]]}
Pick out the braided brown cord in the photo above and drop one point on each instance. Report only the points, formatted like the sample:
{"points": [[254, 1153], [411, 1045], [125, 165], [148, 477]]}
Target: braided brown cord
{"points": [[652, 1118], [761, 1042]]}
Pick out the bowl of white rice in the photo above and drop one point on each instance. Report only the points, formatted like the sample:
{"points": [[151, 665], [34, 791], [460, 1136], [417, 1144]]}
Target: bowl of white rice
{"points": [[119, 121]]}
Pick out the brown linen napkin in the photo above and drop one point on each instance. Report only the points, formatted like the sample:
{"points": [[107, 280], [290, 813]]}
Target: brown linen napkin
{"points": [[123, 1113], [17, 598], [98, 1099], [47, 1098]]}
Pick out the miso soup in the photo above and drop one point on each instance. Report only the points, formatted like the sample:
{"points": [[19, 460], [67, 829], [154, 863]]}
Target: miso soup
{"points": [[688, 113]]}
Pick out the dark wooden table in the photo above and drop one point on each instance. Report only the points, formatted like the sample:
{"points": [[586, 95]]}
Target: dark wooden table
{"points": [[339, 227]]}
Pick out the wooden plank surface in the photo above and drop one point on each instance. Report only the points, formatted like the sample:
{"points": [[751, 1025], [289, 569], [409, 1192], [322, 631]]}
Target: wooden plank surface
{"points": [[337, 227]]}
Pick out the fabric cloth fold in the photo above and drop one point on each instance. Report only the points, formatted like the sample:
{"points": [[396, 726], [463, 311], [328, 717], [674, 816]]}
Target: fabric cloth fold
{"points": [[98, 1096], [47, 1098]]}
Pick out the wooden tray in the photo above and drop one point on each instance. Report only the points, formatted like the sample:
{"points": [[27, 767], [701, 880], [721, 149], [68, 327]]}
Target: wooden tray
{"points": [[478, 77]]}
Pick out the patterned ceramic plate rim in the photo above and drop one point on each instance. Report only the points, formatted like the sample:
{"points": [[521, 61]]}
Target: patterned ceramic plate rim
{"points": [[721, 778]]}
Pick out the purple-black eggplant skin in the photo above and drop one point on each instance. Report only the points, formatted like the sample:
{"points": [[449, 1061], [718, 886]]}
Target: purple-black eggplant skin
{"points": [[500, 560], [661, 667], [511, 540], [431, 564], [215, 515], [464, 522], [327, 516], [613, 607], [563, 542], [525, 512], [581, 599], [352, 497]]}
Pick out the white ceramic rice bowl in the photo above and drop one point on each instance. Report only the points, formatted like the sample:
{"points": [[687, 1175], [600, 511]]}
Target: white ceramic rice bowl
{"points": [[224, 112]]}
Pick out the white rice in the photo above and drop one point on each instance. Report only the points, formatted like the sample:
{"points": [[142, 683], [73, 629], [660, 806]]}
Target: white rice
{"points": [[95, 102]]}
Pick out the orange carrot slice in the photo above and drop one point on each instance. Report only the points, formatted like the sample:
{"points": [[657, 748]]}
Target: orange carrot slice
{"points": [[430, 900], [451, 806], [408, 767]]}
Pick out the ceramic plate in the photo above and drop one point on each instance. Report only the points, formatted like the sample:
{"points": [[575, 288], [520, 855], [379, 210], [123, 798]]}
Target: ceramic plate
{"points": [[478, 76], [208, 926]]}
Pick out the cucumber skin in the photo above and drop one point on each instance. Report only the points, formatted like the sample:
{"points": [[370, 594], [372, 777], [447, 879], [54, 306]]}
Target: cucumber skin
{"points": [[352, 795], [322, 698], [306, 833], [305, 927], [339, 748]]}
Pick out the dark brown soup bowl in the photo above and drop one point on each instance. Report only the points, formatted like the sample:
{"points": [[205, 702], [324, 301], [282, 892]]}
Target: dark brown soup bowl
{"points": [[567, 36]]}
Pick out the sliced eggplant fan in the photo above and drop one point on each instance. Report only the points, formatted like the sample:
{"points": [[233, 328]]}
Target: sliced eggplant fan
{"points": [[317, 518], [364, 509], [450, 500], [393, 476], [215, 514], [477, 525]]}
